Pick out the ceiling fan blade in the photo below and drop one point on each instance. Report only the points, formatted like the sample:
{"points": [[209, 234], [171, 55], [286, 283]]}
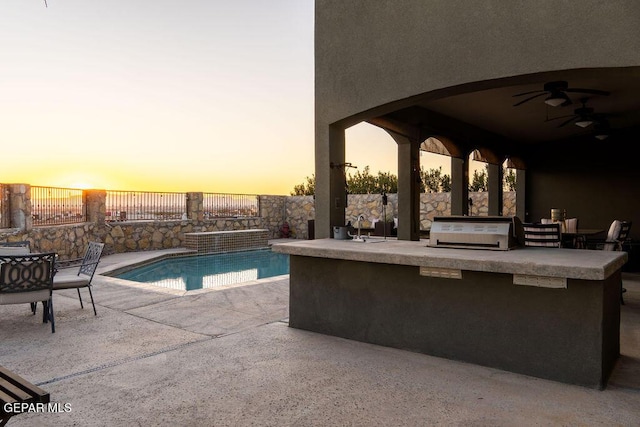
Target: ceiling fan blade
{"points": [[528, 93], [573, 119], [530, 98], [567, 102], [591, 91], [560, 117]]}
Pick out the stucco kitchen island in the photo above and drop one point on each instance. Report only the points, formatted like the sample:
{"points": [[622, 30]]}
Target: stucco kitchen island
{"points": [[545, 312]]}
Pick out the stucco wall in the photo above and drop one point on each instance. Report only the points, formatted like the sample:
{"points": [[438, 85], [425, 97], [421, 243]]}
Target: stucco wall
{"points": [[372, 58], [372, 53]]}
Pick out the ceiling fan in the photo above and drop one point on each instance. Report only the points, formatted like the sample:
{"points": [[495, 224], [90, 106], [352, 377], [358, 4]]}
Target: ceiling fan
{"points": [[556, 93], [583, 116]]}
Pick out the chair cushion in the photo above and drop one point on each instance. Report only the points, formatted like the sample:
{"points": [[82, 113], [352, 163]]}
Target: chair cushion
{"points": [[546, 235], [14, 250], [614, 230], [69, 281], [571, 225], [24, 297]]}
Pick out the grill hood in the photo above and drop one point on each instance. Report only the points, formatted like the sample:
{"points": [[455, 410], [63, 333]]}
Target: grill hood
{"points": [[476, 232]]}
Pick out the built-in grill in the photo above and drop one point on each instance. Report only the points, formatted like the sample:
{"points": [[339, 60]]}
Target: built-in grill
{"points": [[476, 232]]}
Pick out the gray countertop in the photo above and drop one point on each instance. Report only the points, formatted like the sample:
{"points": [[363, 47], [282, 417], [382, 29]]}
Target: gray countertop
{"points": [[550, 262]]}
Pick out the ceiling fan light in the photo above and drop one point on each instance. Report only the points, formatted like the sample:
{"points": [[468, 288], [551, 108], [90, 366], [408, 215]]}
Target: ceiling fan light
{"points": [[555, 100], [584, 123]]}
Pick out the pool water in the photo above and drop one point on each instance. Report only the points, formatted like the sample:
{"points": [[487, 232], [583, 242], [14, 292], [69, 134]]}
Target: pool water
{"points": [[209, 271]]}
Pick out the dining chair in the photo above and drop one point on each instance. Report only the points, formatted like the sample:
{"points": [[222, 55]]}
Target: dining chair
{"points": [[616, 236], [545, 235], [21, 247], [67, 278], [573, 239], [28, 279]]}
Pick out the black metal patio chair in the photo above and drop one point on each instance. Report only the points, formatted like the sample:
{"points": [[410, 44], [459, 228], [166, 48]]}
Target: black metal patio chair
{"points": [[66, 279], [28, 279]]}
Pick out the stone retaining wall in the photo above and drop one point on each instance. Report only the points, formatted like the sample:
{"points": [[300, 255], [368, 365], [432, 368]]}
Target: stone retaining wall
{"points": [[70, 241]]}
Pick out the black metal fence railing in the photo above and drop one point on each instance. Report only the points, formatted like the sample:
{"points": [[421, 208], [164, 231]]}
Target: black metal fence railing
{"points": [[143, 205], [54, 205], [4, 207], [220, 205]]}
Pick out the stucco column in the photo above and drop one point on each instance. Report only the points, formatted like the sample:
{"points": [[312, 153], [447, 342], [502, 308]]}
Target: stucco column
{"points": [[408, 188], [460, 185], [331, 195], [520, 195], [494, 181]]}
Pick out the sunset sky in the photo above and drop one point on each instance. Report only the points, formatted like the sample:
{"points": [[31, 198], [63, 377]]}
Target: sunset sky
{"points": [[156, 95]]}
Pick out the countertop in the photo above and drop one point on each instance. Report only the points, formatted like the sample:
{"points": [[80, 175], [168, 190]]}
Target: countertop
{"points": [[550, 262]]}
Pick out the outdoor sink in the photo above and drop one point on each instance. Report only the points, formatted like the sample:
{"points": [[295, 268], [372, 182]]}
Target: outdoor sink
{"points": [[367, 239]]}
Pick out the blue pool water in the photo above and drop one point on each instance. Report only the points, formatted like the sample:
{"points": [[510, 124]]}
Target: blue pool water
{"points": [[209, 271]]}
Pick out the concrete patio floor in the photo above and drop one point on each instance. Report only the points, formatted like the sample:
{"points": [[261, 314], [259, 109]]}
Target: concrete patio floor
{"points": [[227, 357]]}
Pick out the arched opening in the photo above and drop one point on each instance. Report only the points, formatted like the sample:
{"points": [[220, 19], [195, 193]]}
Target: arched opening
{"points": [[478, 169], [369, 145], [371, 174], [486, 183], [509, 193]]}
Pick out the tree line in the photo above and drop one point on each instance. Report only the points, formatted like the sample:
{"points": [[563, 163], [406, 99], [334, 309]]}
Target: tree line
{"points": [[431, 181]]}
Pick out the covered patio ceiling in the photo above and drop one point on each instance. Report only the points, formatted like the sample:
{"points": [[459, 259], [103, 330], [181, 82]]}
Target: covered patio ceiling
{"points": [[483, 114]]}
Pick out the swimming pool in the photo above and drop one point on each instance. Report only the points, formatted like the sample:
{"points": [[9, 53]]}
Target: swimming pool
{"points": [[209, 271]]}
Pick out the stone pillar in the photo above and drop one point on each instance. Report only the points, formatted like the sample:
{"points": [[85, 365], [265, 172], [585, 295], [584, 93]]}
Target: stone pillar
{"points": [[495, 193], [408, 188], [195, 206], [460, 185], [95, 204], [20, 202]]}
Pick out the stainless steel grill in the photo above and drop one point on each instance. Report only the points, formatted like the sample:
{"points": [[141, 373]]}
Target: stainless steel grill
{"points": [[476, 232]]}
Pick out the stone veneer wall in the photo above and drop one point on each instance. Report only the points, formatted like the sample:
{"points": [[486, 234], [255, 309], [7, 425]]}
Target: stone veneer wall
{"points": [[70, 241], [294, 210], [370, 206], [272, 214], [300, 209]]}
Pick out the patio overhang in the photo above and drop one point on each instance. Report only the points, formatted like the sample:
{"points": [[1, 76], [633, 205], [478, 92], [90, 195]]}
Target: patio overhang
{"points": [[482, 115]]}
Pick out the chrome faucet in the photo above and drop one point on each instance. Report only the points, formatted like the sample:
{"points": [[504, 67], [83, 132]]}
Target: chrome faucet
{"points": [[360, 218]]}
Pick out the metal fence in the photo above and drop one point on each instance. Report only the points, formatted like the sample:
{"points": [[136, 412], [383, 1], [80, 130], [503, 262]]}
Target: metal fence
{"points": [[4, 207], [53, 206], [220, 205], [142, 205]]}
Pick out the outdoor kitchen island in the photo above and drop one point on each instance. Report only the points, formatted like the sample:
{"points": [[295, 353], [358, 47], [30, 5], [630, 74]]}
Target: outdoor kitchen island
{"points": [[545, 312]]}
